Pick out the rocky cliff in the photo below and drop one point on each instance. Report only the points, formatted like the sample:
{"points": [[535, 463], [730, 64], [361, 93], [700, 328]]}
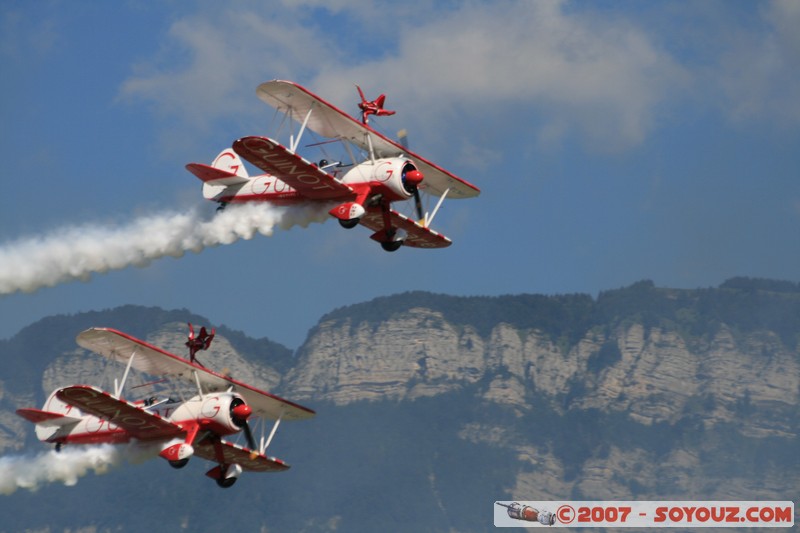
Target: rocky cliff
{"points": [[663, 408], [651, 373]]}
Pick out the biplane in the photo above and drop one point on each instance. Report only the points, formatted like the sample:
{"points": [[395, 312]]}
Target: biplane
{"points": [[380, 172], [179, 428]]}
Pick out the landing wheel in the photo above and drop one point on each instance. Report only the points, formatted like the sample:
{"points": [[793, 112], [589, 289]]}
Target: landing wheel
{"points": [[180, 463], [349, 223], [221, 207], [58, 446], [226, 482], [391, 246]]}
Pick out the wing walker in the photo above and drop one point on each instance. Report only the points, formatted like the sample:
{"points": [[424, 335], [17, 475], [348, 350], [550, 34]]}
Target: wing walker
{"points": [[198, 425], [381, 173]]}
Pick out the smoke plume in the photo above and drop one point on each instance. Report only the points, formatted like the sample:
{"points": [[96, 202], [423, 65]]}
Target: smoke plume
{"points": [[32, 472], [75, 253]]}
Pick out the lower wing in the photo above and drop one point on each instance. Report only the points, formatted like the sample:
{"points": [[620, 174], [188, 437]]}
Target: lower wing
{"points": [[132, 418], [417, 235], [302, 175], [249, 460]]}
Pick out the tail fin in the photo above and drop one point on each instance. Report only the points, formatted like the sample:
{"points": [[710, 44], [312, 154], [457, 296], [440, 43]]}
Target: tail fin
{"points": [[54, 420], [229, 161], [227, 169]]}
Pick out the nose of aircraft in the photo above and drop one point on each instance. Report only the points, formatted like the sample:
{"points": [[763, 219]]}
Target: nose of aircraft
{"points": [[242, 411], [413, 177]]}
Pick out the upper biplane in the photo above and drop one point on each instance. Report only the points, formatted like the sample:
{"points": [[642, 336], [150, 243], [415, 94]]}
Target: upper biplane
{"points": [[384, 172], [178, 428]]}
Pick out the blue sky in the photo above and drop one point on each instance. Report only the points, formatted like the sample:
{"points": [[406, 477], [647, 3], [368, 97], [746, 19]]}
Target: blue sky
{"points": [[612, 142]]}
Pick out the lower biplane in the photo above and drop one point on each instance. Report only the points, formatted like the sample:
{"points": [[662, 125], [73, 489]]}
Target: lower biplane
{"points": [[380, 172], [219, 407]]}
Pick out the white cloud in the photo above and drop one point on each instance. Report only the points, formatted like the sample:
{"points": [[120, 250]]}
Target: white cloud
{"points": [[210, 64], [561, 69], [588, 72]]}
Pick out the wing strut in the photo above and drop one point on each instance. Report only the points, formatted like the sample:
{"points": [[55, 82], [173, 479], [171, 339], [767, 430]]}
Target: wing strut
{"points": [[197, 380], [293, 142], [263, 445], [371, 148], [119, 386], [428, 221]]}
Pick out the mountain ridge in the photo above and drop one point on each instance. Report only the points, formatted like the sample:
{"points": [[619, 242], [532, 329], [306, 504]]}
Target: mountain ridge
{"points": [[639, 393]]}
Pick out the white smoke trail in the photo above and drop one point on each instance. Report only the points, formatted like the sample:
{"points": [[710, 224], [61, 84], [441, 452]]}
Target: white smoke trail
{"points": [[77, 252], [31, 472]]}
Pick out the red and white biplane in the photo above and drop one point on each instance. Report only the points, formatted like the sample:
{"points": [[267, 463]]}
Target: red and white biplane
{"points": [[385, 172], [219, 406]]}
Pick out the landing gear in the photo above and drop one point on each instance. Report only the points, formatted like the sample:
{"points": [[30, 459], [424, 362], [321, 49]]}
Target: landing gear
{"points": [[391, 246], [58, 447], [180, 463], [226, 482], [225, 476], [221, 207], [349, 223]]}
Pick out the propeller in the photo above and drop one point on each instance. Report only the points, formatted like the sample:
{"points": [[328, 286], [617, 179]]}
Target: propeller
{"points": [[240, 412], [412, 179]]}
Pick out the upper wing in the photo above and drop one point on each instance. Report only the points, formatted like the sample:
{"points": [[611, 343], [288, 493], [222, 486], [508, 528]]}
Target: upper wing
{"points": [[147, 358], [247, 459], [417, 236], [329, 121], [132, 418], [302, 175]]}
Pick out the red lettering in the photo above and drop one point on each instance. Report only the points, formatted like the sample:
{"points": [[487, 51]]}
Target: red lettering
{"points": [[783, 514], [717, 514], [276, 159]]}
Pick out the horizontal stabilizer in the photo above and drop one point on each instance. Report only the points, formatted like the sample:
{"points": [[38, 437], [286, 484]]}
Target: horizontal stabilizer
{"points": [[47, 418], [215, 176]]}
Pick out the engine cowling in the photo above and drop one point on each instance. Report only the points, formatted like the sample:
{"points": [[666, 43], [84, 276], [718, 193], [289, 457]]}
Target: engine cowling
{"points": [[395, 177], [223, 413]]}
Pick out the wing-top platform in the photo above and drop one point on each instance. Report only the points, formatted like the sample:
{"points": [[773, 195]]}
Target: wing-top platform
{"points": [[119, 346], [327, 120]]}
